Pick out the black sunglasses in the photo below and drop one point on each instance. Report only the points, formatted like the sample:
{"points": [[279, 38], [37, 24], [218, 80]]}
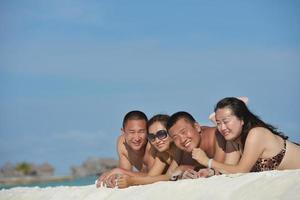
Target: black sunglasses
{"points": [[162, 134]]}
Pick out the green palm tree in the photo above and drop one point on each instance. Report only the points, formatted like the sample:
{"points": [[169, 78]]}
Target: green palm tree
{"points": [[23, 167]]}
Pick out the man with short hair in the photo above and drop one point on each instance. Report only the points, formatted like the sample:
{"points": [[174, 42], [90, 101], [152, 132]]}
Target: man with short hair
{"points": [[188, 134], [135, 154]]}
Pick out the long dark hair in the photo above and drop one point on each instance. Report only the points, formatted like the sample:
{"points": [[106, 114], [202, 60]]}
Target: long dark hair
{"points": [[162, 118], [241, 111]]}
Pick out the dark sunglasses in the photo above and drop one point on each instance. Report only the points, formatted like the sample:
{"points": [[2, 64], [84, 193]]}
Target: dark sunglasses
{"points": [[162, 134]]}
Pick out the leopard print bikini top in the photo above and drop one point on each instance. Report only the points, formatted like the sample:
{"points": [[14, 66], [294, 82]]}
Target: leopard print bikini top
{"points": [[265, 164]]}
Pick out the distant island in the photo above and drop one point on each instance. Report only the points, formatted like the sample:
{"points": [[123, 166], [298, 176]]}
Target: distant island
{"points": [[93, 166], [27, 173]]}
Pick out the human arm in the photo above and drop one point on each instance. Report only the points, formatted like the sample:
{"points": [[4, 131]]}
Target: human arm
{"points": [[230, 156], [216, 151], [220, 147], [126, 181], [177, 171], [124, 162], [154, 175], [233, 155], [254, 147], [125, 166], [202, 173], [157, 168]]}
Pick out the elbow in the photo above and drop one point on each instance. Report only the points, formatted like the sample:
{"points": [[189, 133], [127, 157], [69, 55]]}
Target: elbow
{"points": [[234, 170], [241, 170]]}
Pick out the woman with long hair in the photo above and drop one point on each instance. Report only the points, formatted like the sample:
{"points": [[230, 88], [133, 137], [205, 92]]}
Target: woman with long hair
{"points": [[252, 145]]}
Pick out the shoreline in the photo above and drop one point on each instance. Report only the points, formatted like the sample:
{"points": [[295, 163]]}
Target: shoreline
{"points": [[16, 181]]}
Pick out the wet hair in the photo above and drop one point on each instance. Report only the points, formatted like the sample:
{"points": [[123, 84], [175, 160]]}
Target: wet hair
{"points": [[241, 111], [180, 115], [134, 115], [161, 118]]}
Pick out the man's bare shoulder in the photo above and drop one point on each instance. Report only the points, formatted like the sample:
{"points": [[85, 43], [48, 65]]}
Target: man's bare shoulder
{"points": [[121, 145], [213, 132], [208, 129], [209, 133], [121, 139], [212, 137]]}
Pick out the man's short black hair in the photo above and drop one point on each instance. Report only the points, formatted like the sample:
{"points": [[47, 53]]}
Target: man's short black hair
{"points": [[180, 115], [134, 115]]}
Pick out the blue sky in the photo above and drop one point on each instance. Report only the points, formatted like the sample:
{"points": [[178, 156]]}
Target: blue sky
{"points": [[70, 70]]}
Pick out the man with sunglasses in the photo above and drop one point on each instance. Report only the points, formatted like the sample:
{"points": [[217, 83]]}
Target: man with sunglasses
{"points": [[187, 134], [133, 151]]}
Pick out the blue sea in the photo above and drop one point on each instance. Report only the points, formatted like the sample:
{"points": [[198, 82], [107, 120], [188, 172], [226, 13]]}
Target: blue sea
{"points": [[75, 182]]}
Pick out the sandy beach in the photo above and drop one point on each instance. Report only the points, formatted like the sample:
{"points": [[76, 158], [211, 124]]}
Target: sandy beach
{"points": [[264, 185]]}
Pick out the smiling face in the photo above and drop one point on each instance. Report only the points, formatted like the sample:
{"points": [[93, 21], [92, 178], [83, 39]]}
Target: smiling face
{"points": [[228, 124], [162, 144], [135, 134], [185, 135]]}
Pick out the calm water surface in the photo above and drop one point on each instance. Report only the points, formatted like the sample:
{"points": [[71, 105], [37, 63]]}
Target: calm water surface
{"points": [[76, 182]]}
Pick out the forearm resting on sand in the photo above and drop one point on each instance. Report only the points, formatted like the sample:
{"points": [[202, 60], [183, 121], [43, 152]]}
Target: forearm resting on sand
{"points": [[229, 169], [126, 181], [107, 179]]}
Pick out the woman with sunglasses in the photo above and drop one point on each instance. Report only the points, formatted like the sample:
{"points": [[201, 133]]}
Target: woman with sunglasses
{"points": [[167, 157], [252, 144]]}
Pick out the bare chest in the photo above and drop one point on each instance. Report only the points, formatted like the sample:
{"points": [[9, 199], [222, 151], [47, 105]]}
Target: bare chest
{"points": [[141, 163]]}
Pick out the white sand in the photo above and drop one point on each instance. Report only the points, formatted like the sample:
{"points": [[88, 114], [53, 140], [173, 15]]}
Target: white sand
{"points": [[265, 185]]}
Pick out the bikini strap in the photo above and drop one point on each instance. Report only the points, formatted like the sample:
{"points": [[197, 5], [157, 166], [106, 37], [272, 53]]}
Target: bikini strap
{"points": [[284, 144]]}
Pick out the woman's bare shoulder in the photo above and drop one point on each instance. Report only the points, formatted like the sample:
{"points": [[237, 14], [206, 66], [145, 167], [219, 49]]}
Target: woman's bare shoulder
{"points": [[259, 132], [259, 135]]}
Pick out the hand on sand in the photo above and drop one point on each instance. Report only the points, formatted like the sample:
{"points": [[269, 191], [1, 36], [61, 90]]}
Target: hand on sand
{"points": [[177, 174], [100, 181], [202, 173], [107, 179], [123, 181], [205, 173], [190, 174], [111, 181]]}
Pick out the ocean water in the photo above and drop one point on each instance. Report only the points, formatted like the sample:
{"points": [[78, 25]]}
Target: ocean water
{"points": [[75, 182]]}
